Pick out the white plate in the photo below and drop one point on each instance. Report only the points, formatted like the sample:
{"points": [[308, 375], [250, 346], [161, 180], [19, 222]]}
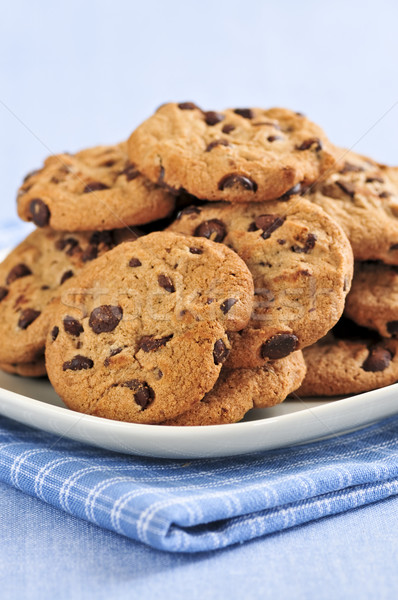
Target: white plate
{"points": [[35, 403]]}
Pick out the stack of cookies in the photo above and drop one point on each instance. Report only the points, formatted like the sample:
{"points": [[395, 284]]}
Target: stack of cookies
{"points": [[201, 269]]}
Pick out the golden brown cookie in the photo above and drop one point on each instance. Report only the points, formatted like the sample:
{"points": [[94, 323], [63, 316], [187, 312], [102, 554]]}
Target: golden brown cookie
{"points": [[33, 369], [373, 299], [238, 155], [97, 188], [301, 262], [239, 390], [349, 360], [33, 276], [362, 196], [144, 338]]}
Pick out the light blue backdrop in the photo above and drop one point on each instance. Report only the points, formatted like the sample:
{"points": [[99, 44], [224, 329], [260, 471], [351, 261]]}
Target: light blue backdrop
{"points": [[78, 73]]}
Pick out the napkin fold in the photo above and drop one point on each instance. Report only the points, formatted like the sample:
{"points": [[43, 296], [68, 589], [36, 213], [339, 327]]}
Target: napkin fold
{"points": [[207, 504]]}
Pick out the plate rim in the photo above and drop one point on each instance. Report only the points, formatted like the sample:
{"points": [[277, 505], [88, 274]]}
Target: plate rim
{"points": [[41, 406]]}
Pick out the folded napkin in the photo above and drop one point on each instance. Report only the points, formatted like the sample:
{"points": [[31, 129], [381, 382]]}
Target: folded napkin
{"points": [[202, 504]]}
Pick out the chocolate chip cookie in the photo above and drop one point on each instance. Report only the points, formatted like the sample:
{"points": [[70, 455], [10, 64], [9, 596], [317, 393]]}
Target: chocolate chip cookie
{"points": [[301, 262], [239, 155], [33, 276], [239, 390], [33, 369], [362, 196], [97, 188], [349, 360], [144, 336], [373, 299]]}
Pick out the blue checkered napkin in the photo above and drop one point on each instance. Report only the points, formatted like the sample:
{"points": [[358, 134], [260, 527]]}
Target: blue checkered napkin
{"points": [[203, 504]]}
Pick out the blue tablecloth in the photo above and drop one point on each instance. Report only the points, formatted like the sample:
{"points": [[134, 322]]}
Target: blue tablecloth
{"points": [[47, 554]]}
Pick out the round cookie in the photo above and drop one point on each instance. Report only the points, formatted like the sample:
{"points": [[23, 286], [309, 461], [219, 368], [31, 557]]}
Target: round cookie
{"points": [[373, 299], [239, 390], [239, 155], [362, 196], [33, 276], [33, 369], [144, 337], [97, 188], [301, 262], [349, 360]]}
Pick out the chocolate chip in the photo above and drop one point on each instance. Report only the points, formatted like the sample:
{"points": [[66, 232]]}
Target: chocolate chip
{"points": [[135, 262], [17, 272], [246, 113], [217, 143], [108, 163], [227, 305], [67, 275], [212, 118], [309, 244], [143, 395], [350, 168], [189, 210], [166, 283], [274, 138], [228, 128], [40, 212], [54, 333], [374, 180], [130, 171], [196, 250], [105, 318], [394, 247], [220, 352], [3, 293], [27, 317], [187, 106], [150, 344], [379, 359], [312, 143], [214, 230], [384, 195], [78, 363], [392, 327], [70, 245], [73, 326], [347, 188], [268, 223], [234, 179], [279, 346], [45, 287], [113, 352], [95, 186], [296, 189]]}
